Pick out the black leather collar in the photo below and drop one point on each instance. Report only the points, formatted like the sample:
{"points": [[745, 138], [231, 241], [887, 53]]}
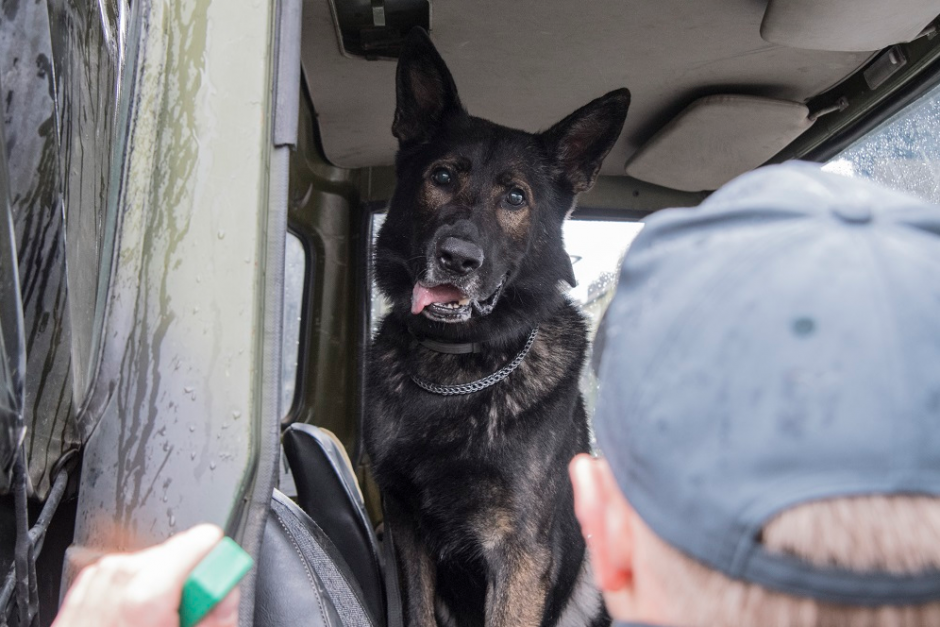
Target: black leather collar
{"points": [[449, 348]]}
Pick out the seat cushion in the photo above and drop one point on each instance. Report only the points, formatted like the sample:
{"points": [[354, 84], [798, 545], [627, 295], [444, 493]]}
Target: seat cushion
{"points": [[328, 492], [302, 579]]}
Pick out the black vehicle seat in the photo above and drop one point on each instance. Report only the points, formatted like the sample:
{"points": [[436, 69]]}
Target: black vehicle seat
{"points": [[328, 492], [302, 578]]}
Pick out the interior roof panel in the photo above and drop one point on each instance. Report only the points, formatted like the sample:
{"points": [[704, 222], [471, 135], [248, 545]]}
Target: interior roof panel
{"points": [[528, 63]]}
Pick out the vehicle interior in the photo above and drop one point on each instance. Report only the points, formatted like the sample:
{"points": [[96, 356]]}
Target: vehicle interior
{"points": [[186, 295]]}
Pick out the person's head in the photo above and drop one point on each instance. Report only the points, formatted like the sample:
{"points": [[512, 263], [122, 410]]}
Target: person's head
{"points": [[769, 411], [645, 579]]}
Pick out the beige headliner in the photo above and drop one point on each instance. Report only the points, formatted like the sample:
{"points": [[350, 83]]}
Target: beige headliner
{"points": [[528, 63]]}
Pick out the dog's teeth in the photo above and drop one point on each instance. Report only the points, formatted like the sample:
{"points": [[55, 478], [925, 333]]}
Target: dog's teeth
{"points": [[454, 304]]}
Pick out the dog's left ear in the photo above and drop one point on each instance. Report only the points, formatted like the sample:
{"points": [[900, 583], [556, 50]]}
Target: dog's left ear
{"points": [[582, 140], [425, 90]]}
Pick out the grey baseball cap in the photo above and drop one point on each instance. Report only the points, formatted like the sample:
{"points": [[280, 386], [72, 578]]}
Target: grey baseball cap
{"points": [[776, 345]]}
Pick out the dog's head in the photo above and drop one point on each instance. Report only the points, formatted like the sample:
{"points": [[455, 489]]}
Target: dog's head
{"points": [[473, 241]]}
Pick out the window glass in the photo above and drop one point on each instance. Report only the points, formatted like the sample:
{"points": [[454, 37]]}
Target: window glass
{"points": [[902, 153], [295, 273], [596, 248], [379, 306]]}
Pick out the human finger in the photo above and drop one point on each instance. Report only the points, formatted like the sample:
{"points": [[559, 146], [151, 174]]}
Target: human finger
{"points": [[94, 598], [169, 564], [225, 614], [70, 614], [152, 598]]}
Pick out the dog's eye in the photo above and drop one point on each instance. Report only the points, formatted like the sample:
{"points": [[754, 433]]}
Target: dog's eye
{"points": [[442, 176], [515, 197]]}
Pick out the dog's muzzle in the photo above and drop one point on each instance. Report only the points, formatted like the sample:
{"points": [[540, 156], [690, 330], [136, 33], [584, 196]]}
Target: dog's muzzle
{"points": [[446, 302]]}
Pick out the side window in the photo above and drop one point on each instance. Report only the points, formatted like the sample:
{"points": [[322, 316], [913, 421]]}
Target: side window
{"points": [[379, 306], [295, 275], [596, 248], [902, 153]]}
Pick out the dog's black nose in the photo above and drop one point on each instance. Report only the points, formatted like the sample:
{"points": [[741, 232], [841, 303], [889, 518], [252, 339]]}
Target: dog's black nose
{"points": [[458, 255]]}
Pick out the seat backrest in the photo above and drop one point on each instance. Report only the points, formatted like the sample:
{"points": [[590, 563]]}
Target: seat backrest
{"points": [[328, 492], [302, 579]]}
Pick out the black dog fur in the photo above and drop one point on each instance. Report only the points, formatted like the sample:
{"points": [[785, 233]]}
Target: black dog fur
{"points": [[476, 490]]}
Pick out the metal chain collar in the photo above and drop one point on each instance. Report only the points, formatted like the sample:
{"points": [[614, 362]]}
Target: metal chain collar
{"points": [[479, 384]]}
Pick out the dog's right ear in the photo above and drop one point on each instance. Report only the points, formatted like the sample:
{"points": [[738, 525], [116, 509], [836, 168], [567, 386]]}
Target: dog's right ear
{"points": [[425, 90], [582, 140]]}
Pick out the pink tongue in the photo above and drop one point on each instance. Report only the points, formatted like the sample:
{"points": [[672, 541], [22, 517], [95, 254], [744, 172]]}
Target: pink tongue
{"points": [[422, 296]]}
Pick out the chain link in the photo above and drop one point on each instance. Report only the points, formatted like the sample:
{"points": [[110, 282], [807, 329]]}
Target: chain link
{"points": [[479, 384]]}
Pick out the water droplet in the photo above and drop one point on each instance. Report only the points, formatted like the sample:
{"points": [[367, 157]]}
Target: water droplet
{"points": [[192, 428], [165, 499], [211, 465], [198, 279], [188, 390], [195, 310], [172, 520], [221, 234], [192, 455], [236, 414]]}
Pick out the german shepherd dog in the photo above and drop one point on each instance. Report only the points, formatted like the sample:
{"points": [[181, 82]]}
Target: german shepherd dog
{"points": [[474, 410]]}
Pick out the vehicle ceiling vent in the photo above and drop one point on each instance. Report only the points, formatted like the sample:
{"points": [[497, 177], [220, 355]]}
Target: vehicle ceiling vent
{"points": [[376, 29], [845, 25]]}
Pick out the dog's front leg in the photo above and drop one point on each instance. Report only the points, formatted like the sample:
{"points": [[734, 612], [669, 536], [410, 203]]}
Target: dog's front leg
{"points": [[416, 569], [517, 590]]}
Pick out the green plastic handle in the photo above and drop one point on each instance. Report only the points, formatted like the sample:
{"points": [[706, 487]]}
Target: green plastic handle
{"points": [[212, 579]]}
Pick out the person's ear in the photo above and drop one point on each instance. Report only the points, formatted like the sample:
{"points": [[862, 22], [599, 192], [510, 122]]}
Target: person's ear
{"points": [[606, 528]]}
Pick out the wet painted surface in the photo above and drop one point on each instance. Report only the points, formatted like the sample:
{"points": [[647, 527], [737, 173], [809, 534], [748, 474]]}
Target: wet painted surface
{"points": [[27, 79], [172, 414]]}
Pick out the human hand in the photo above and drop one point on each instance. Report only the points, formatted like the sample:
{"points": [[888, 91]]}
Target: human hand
{"points": [[143, 589]]}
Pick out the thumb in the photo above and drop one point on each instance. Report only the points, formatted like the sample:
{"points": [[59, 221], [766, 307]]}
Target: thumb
{"points": [[171, 562], [225, 614]]}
